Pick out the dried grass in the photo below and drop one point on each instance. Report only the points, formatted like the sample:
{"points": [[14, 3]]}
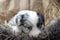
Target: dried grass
{"points": [[52, 11]]}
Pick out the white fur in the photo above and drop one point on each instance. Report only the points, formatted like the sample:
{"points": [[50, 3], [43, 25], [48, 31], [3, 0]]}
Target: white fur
{"points": [[33, 18], [34, 32]]}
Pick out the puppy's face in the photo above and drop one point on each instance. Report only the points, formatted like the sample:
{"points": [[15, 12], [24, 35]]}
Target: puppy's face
{"points": [[30, 22]]}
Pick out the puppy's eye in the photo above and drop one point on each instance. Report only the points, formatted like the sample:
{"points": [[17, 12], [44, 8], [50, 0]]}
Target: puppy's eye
{"points": [[28, 26]]}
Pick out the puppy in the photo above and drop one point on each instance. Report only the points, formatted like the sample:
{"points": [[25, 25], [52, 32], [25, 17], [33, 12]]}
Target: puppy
{"points": [[27, 22]]}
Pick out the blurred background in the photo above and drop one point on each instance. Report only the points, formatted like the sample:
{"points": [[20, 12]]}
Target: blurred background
{"points": [[50, 8]]}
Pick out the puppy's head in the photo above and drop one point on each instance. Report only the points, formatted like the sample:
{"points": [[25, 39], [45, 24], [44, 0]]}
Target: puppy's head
{"points": [[30, 22]]}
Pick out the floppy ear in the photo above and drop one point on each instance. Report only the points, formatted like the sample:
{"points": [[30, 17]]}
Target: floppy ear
{"points": [[41, 19]]}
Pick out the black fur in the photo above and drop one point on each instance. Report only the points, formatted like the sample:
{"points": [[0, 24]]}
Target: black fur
{"points": [[22, 20], [51, 32], [41, 20]]}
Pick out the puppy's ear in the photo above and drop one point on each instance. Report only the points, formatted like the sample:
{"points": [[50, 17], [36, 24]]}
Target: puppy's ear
{"points": [[41, 19]]}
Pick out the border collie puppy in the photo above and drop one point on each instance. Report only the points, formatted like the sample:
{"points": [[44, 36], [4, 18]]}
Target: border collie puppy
{"points": [[27, 22]]}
